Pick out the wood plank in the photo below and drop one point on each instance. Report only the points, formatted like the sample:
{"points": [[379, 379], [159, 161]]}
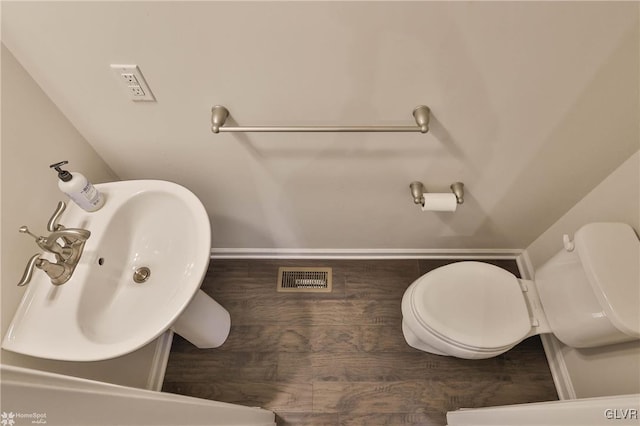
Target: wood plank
{"points": [[228, 268], [286, 311], [485, 393], [310, 338], [420, 396], [275, 396], [237, 288], [372, 312], [262, 311], [307, 419], [381, 279], [374, 397], [218, 365], [358, 338], [268, 338], [295, 367], [392, 366], [385, 419]]}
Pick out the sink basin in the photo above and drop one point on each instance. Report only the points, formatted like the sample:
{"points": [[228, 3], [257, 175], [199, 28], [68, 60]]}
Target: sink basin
{"points": [[157, 227]]}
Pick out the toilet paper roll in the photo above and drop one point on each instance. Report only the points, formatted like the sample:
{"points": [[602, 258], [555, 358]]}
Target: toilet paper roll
{"points": [[446, 202]]}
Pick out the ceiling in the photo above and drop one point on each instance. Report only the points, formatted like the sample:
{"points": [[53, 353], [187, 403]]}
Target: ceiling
{"points": [[533, 104]]}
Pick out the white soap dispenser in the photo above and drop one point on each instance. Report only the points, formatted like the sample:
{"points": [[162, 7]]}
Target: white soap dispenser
{"points": [[78, 188]]}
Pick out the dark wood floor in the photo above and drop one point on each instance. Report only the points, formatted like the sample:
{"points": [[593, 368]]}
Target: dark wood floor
{"points": [[340, 358]]}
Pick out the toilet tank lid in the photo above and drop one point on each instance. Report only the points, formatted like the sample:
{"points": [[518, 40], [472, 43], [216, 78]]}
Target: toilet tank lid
{"points": [[610, 255]]}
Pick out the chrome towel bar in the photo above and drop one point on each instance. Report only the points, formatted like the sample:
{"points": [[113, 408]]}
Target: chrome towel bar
{"points": [[219, 115]]}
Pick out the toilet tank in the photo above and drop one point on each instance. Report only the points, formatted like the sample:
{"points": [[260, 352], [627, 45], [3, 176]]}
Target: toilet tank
{"points": [[591, 295]]}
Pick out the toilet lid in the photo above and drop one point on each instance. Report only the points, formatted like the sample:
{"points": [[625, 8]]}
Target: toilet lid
{"points": [[472, 304]]}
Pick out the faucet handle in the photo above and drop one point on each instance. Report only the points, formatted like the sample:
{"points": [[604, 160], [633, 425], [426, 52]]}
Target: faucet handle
{"points": [[28, 271], [53, 225], [24, 230]]}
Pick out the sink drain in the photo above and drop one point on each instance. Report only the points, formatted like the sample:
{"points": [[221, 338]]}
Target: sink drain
{"points": [[141, 275]]}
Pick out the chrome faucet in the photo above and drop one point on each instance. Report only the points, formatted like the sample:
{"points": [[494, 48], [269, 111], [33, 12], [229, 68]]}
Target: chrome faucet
{"points": [[67, 254], [72, 238]]}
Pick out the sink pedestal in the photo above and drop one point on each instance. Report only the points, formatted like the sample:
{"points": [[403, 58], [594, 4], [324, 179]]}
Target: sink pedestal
{"points": [[204, 322]]}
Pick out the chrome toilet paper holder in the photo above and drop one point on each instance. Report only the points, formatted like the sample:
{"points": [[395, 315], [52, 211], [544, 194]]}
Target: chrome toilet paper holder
{"points": [[417, 189]]}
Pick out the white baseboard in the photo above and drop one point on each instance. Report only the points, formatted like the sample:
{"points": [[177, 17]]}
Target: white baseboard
{"points": [[338, 254], [558, 367], [525, 266], [160, 360], [552, 346]]}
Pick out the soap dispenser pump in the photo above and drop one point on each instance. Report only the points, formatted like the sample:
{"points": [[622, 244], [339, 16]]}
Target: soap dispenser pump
{"points": [[78, 188]]}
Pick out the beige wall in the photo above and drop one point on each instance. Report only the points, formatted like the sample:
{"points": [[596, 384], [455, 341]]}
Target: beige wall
{"points": [[35, 134], [615, 199], [614, 369], [533, 104]]}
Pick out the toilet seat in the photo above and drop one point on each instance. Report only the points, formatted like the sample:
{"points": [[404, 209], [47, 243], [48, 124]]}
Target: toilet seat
{"points": [[473, 306]]}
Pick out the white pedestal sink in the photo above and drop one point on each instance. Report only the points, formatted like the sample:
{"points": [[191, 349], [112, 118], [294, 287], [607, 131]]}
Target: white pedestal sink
{"points": [[157, 229]]}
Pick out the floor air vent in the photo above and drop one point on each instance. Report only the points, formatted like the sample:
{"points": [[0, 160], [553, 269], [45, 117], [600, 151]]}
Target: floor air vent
{"points": [[310, 280]]}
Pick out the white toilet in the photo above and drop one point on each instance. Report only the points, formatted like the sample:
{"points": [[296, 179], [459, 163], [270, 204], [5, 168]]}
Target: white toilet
{"points": [[586, 295]]}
